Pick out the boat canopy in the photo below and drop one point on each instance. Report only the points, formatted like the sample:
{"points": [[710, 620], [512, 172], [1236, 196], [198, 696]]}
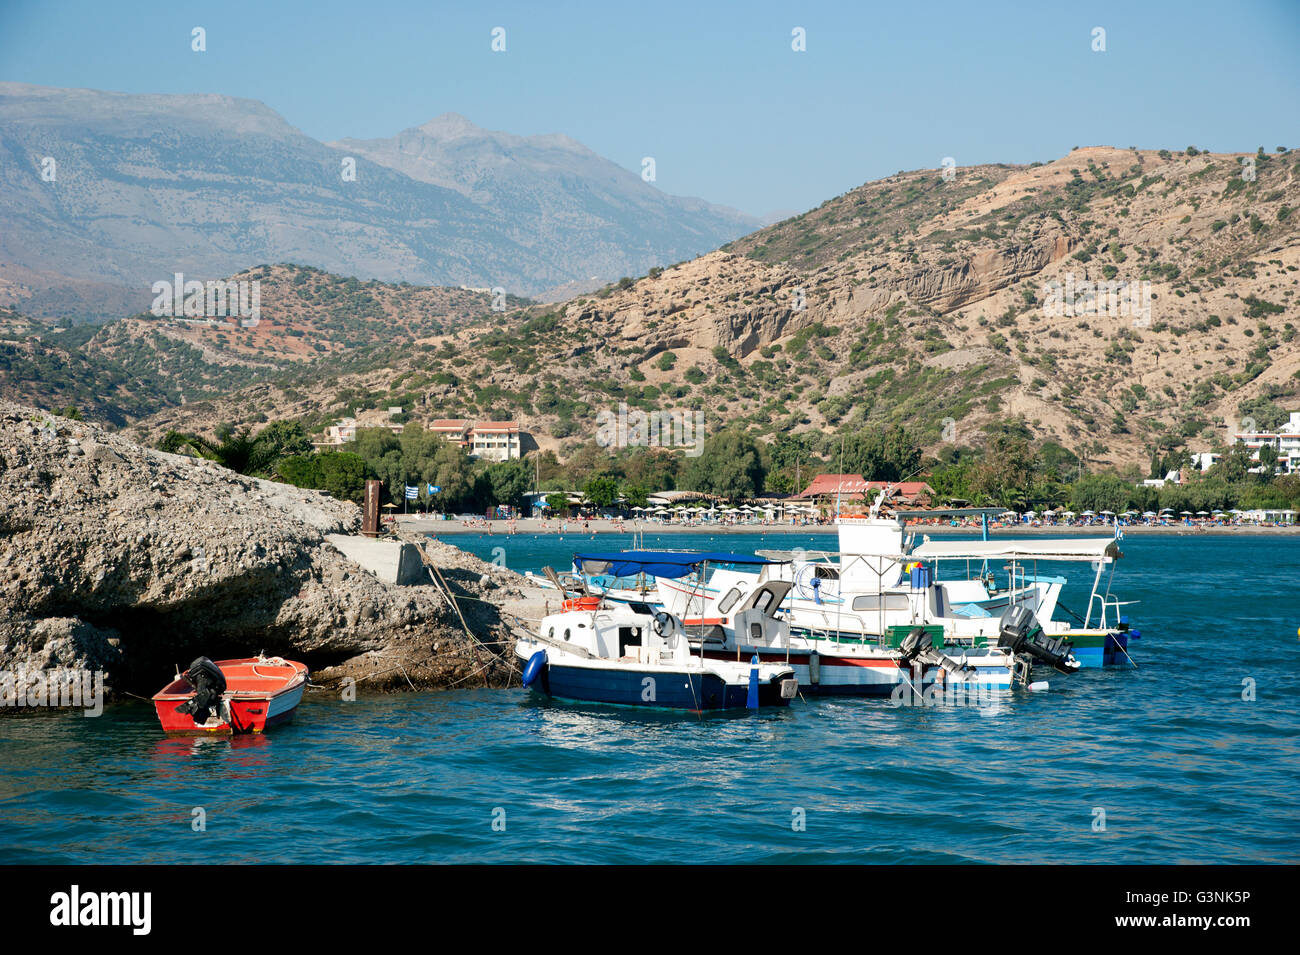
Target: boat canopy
{"points": [[1064, 548], [668, 564]]}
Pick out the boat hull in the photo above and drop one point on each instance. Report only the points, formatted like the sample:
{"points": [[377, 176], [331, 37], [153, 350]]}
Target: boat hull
{"points": [[859, 676], [1096, 650], [657, 689], [242, 711]]}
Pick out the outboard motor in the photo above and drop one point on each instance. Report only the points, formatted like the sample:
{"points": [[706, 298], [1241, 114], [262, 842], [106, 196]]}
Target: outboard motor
{"points": [[919, 645], [209, 684], [1021, 634]]}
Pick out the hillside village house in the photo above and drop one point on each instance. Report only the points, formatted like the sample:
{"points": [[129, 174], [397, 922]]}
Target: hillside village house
{"points": [[345, 430], [851, 489], [493, 440], [1286, 440]]}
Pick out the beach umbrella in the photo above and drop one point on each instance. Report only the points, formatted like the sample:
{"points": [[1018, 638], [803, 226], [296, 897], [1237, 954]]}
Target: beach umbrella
{"points": [[1109, 513], [1202, 513], [1148, 513], [1184, 513], [1068, 514], [1089, 514]]}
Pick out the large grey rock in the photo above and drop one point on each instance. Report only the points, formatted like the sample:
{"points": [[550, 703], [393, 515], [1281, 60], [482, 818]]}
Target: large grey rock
{"points": [[173, 557]]}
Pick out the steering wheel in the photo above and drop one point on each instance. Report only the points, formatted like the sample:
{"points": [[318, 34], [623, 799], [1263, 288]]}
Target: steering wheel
{"points": [[663, 623]]}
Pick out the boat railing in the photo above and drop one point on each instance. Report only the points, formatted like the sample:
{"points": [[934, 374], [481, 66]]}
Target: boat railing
{"points": [[1108, 610]]}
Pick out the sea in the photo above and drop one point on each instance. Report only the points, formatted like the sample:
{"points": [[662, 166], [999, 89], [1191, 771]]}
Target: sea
{"points": [[1190, 756]]}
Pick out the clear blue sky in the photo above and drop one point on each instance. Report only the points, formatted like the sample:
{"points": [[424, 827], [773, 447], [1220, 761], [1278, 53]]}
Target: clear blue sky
{"points": [[713, 91]]}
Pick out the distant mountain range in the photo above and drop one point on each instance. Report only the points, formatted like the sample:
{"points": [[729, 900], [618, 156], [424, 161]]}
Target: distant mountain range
{"points": [[102, 194]]}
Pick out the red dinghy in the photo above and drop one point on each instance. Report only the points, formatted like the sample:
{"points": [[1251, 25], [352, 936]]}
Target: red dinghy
{"points": [[231, 696]]}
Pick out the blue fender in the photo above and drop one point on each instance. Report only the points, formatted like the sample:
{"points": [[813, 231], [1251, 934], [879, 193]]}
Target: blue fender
{"points": [[751, 699], [534, 667]]}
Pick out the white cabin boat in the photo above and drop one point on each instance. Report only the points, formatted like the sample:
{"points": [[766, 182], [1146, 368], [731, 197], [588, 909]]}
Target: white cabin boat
{"points": [[632, 655]]}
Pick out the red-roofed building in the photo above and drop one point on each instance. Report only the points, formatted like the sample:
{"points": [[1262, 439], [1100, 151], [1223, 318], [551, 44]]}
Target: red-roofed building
{"points": [[455, 430], [851, 488], [496, 440]]}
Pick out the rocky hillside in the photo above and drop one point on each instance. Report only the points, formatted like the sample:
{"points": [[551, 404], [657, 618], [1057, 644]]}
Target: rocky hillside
{"points": [[917, 300], [313, 325], [130, 560], [102, 194]]}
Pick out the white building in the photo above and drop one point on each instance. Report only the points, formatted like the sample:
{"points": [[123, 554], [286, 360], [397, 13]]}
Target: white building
{"points": [[1286, 440], [1173, 477], [345, 429], [495, 440], [339, 434]]}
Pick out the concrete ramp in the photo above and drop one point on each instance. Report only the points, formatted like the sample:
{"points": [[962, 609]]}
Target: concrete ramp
{"points": [[394, 562]]}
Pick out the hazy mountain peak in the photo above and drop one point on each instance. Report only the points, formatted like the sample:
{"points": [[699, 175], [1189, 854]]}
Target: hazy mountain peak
{"points": [[449, 126], [445, 203]]}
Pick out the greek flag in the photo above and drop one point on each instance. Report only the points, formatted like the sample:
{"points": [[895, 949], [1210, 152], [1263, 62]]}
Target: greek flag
{"points": [[434, 488], [412, 492]]}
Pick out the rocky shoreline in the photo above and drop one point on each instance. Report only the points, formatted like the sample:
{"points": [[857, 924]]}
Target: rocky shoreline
{"points": [[119, 558]]}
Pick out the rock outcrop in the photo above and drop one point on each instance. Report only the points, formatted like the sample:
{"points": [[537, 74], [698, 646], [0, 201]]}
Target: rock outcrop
{"points": [[133, 561]]}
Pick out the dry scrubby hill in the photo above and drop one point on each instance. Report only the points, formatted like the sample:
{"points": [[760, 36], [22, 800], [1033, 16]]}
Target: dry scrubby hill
{"points": [[911, 299], [313, 324]]}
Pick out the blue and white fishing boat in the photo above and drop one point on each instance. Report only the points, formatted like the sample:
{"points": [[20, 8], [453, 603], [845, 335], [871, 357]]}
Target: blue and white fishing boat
{"points": [[753, 624], [632, 655]]}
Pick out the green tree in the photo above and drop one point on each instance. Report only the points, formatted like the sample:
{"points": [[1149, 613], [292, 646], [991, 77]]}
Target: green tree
{"points": [[340, 473], [636, 495], [601, 491], [1002, 476], [1101, 492], [282, 438], [453, 471], [730, 465], [505, 482], [1234, 464], [882, 454], [1268, 461]]}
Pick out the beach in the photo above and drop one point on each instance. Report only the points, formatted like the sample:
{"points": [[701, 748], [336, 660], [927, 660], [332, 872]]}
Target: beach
{"points": [[422, 524]]}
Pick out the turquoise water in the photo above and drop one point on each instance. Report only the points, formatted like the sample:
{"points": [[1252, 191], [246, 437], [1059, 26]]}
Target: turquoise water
{"points": [[1183, 768]]}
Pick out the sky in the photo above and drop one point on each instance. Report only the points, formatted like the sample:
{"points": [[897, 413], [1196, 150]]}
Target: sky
{"points": [[713, 91]]}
